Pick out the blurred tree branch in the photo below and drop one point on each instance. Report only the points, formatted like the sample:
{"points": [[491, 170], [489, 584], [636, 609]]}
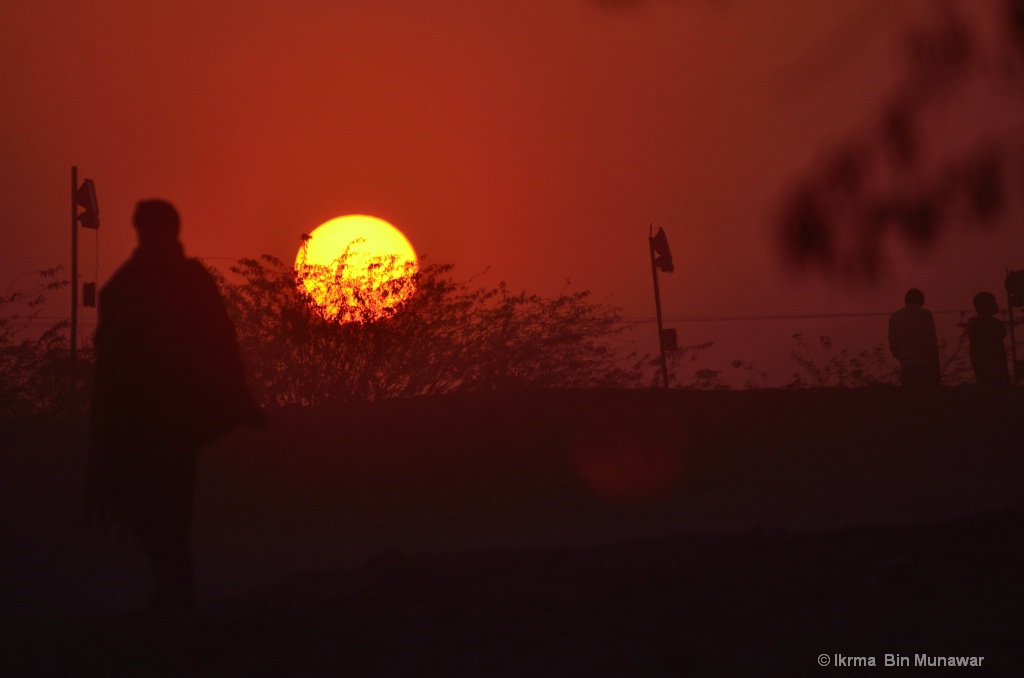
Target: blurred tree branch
{"points": [[893, 181]]}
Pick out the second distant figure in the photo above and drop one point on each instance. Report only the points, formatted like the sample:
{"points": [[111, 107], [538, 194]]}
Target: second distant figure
{"points": [[986, 334], [913, 341]]}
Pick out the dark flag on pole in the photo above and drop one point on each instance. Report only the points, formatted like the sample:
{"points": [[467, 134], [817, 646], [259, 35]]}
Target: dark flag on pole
{"points": [[663, 260], [85, 197]]}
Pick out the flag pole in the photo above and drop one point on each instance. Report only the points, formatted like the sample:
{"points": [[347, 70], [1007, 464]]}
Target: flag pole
{"points": [[657, 306]]}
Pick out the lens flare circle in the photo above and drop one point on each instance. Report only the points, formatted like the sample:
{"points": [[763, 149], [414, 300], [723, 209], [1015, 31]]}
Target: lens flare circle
{"points": [[356, 268]]}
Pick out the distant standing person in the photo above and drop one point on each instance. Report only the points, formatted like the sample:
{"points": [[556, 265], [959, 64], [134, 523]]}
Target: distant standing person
{"points": [[913, 342], [986, 334], [169, 380]]}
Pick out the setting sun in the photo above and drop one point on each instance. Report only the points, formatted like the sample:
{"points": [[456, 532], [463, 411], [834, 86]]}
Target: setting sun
{"points": [[357, 268]]}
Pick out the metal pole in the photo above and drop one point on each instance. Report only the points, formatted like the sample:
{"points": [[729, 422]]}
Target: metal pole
{"points": [[74, 282], [657, 306]]}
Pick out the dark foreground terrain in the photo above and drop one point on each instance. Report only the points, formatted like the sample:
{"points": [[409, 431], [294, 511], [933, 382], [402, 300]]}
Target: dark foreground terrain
{"points": [[589, 533]]}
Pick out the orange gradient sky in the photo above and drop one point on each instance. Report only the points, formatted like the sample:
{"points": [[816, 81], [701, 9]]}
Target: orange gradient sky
{"points": [[539, 138]]}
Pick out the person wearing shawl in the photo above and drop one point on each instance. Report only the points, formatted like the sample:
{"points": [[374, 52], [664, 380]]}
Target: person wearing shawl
{"points": [[169, 380], [913, 342]]}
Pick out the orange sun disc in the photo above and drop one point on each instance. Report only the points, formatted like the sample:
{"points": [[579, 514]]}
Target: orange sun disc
{"points": [[357, 268]]}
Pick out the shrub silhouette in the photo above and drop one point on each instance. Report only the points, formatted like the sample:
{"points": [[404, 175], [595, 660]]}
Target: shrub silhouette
{"points": [[826, 366], [449, 336], [34, 375]]}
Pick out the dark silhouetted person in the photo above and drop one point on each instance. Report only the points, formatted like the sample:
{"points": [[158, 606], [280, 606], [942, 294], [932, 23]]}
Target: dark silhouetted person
{"points": [[169, 380], [913, 342], [986, 334]]}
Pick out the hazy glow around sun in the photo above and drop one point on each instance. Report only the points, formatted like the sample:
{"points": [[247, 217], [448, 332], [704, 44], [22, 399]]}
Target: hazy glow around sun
{"points": [[357, 268]]}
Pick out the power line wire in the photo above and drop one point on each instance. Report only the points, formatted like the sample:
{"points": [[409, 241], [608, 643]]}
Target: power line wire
{"points": [[796, 316]]}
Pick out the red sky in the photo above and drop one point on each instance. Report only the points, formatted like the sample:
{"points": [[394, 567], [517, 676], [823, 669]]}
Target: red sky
{"points": [[537, 137]]}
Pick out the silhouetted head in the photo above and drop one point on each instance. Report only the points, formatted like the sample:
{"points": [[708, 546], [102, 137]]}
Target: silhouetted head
{"points": [[985, 303], [914, 296], [156, 222]]}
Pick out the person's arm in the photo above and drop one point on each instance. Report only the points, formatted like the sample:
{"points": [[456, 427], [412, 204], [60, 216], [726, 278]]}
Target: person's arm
{"points": [[893, 340], [972, 341], [95, 500], [933, 338]]}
